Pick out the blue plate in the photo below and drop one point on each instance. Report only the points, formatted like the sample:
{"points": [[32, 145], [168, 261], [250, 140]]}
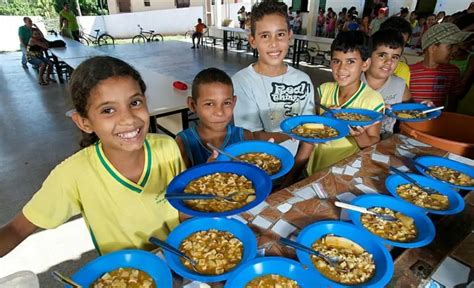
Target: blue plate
{"points": [[425, 228], [262, 266], [280, 152], [373, 115], [137, 259], [412, 106], [456, 203], [382, 258], [441, 161], [261, 182], [188, 227], [288, 124]]}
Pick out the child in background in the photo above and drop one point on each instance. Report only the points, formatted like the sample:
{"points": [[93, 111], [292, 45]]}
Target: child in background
{"points": [[350, 56], [388, 47], [415, 41], [198, 31], [118, 181], [269, 90], [433, 78], [213, 101], [297, 23], [65, 31], [320, 22], [376, 22]]}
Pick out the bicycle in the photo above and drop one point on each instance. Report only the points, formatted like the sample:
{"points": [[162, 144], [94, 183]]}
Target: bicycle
{"points": [[146, 36], [100, 40]]}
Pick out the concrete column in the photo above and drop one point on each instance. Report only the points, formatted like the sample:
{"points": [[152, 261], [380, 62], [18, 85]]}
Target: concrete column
{"points": [[312, 17], [218, 13]]}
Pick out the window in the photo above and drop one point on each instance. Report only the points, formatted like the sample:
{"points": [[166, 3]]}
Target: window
{"points": [[182, 3], [147, 3]]}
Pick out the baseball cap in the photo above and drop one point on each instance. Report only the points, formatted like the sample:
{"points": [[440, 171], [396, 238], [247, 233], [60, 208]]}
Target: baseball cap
{"points": [[444, 33]]}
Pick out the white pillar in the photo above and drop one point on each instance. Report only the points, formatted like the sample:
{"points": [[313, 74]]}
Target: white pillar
{"points": [[312, 17], [218, 13]]}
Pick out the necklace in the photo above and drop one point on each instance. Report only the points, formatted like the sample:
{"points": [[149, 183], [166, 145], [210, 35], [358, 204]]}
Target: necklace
{"points": [[272, 114]]}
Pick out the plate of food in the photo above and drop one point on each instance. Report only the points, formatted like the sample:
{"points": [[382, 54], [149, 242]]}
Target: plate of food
{"points": [[271, 272], [355, 117], [273, 158], [124, 267], [453, 173], [411, 229], [218, 245], [237, 186], [316, 129], [412, 112], [445, 202], [363, 260]]}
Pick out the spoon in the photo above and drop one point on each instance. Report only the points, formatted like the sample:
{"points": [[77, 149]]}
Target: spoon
{"points": [[65, 280], [384, 217], [331, 260], [432, 110], [173, 250], [189, 196], [222, 152], [425, 189], [326, 109]]}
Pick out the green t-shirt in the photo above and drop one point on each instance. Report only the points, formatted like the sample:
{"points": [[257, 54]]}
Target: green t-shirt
{"points": [[71, 19], [25, 34]]}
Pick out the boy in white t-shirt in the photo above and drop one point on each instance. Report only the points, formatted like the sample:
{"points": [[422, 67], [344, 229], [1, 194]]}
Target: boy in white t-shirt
{"points": [[269, 90]]}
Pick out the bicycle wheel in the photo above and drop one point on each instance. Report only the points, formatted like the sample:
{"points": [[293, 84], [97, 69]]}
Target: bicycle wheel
{"points": [[106, 39], [156, 37], [84, 40], [138, 39]]}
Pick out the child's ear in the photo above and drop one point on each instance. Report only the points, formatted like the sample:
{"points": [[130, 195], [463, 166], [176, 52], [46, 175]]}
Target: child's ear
{"points": [[191, 104], [252, 41], [82, 122], [234, 99], [366, 64]]}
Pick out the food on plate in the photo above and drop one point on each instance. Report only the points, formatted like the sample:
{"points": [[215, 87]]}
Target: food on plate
{"points": [[272, 281], [124, 277], [216, 252], [410, 114], [220, 184], [356, 266], [403, 230], [264, 161], [417, 196], [450, 175], [351, 116], [315, 130]]}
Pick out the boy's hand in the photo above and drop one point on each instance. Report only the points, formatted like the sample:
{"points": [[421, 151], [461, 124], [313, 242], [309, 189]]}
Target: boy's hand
{"points": [[428, 103], [356, 130], [213, 156]]}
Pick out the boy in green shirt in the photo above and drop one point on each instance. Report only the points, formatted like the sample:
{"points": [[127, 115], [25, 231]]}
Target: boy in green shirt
{"points": [[24, 33], [71, 19]]}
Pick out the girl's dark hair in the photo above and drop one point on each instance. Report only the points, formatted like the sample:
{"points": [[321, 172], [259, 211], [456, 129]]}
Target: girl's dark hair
{"points": [[388, 37], [207, 76], [349, 41], [397, 23], [88, 75], [267, 7]]}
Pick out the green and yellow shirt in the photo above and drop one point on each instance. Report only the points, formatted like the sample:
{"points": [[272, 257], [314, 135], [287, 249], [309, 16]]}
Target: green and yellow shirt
{"points": [[119, 213]]}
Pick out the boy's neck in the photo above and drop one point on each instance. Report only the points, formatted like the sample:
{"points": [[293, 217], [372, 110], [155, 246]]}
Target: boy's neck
{"points": [[347, 92], [375, 83], [270, 71], [429, 62], [209, 135]]}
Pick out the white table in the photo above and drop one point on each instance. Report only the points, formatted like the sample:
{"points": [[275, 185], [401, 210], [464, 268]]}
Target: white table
{"points": [[213, 30], [301, 41]]}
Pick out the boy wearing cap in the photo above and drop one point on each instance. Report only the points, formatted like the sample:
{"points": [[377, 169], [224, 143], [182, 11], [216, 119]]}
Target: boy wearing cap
{"points": [[434, 79]]}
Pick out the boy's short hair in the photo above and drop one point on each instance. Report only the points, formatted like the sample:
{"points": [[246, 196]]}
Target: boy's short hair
{"points": [[397, 23], [208, 76], [443, 33], [349, 41], [268, 7], [388, 37]]}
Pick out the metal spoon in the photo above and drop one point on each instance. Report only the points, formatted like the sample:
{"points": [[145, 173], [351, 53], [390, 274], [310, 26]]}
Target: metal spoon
{"points": [[189, 196], [327, 109], [364, 210], [426, 189], [65, 280], [331, 260], [173, 250], [222, 152]]}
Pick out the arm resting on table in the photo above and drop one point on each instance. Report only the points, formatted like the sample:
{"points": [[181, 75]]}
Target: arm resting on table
{"points": [[14, 233]]}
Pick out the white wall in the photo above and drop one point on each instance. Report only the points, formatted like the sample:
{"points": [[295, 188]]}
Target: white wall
{"points": [[139, 6], [451, 7], [9, 31]]}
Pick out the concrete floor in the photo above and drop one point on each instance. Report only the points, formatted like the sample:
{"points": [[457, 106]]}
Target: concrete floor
{"points": [[36, 135]]}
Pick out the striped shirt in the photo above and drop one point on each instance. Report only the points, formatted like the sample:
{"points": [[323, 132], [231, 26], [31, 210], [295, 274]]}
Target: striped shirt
{"points": [[434, 84]]}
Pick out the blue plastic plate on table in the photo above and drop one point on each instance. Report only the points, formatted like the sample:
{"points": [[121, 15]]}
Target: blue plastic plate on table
{"points": [[188, 227], [262, 266], [382, 258], [456, 203], [424, 227], [288, 124], [260, 180], [137, 259], [276, 150], [441, 161], [412, 106], [373, 115]]}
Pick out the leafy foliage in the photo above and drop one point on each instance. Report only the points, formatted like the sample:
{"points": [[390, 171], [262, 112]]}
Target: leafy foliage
{"points": [[50, 8]]}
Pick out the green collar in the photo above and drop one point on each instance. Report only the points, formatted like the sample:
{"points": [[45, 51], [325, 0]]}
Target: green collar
{"points": [[135, 187], [352, 99]]}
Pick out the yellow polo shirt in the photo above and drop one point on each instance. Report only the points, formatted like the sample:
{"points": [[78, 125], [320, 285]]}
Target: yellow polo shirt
{"points": [[119, 213], [403, 71], [327, 154]]}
